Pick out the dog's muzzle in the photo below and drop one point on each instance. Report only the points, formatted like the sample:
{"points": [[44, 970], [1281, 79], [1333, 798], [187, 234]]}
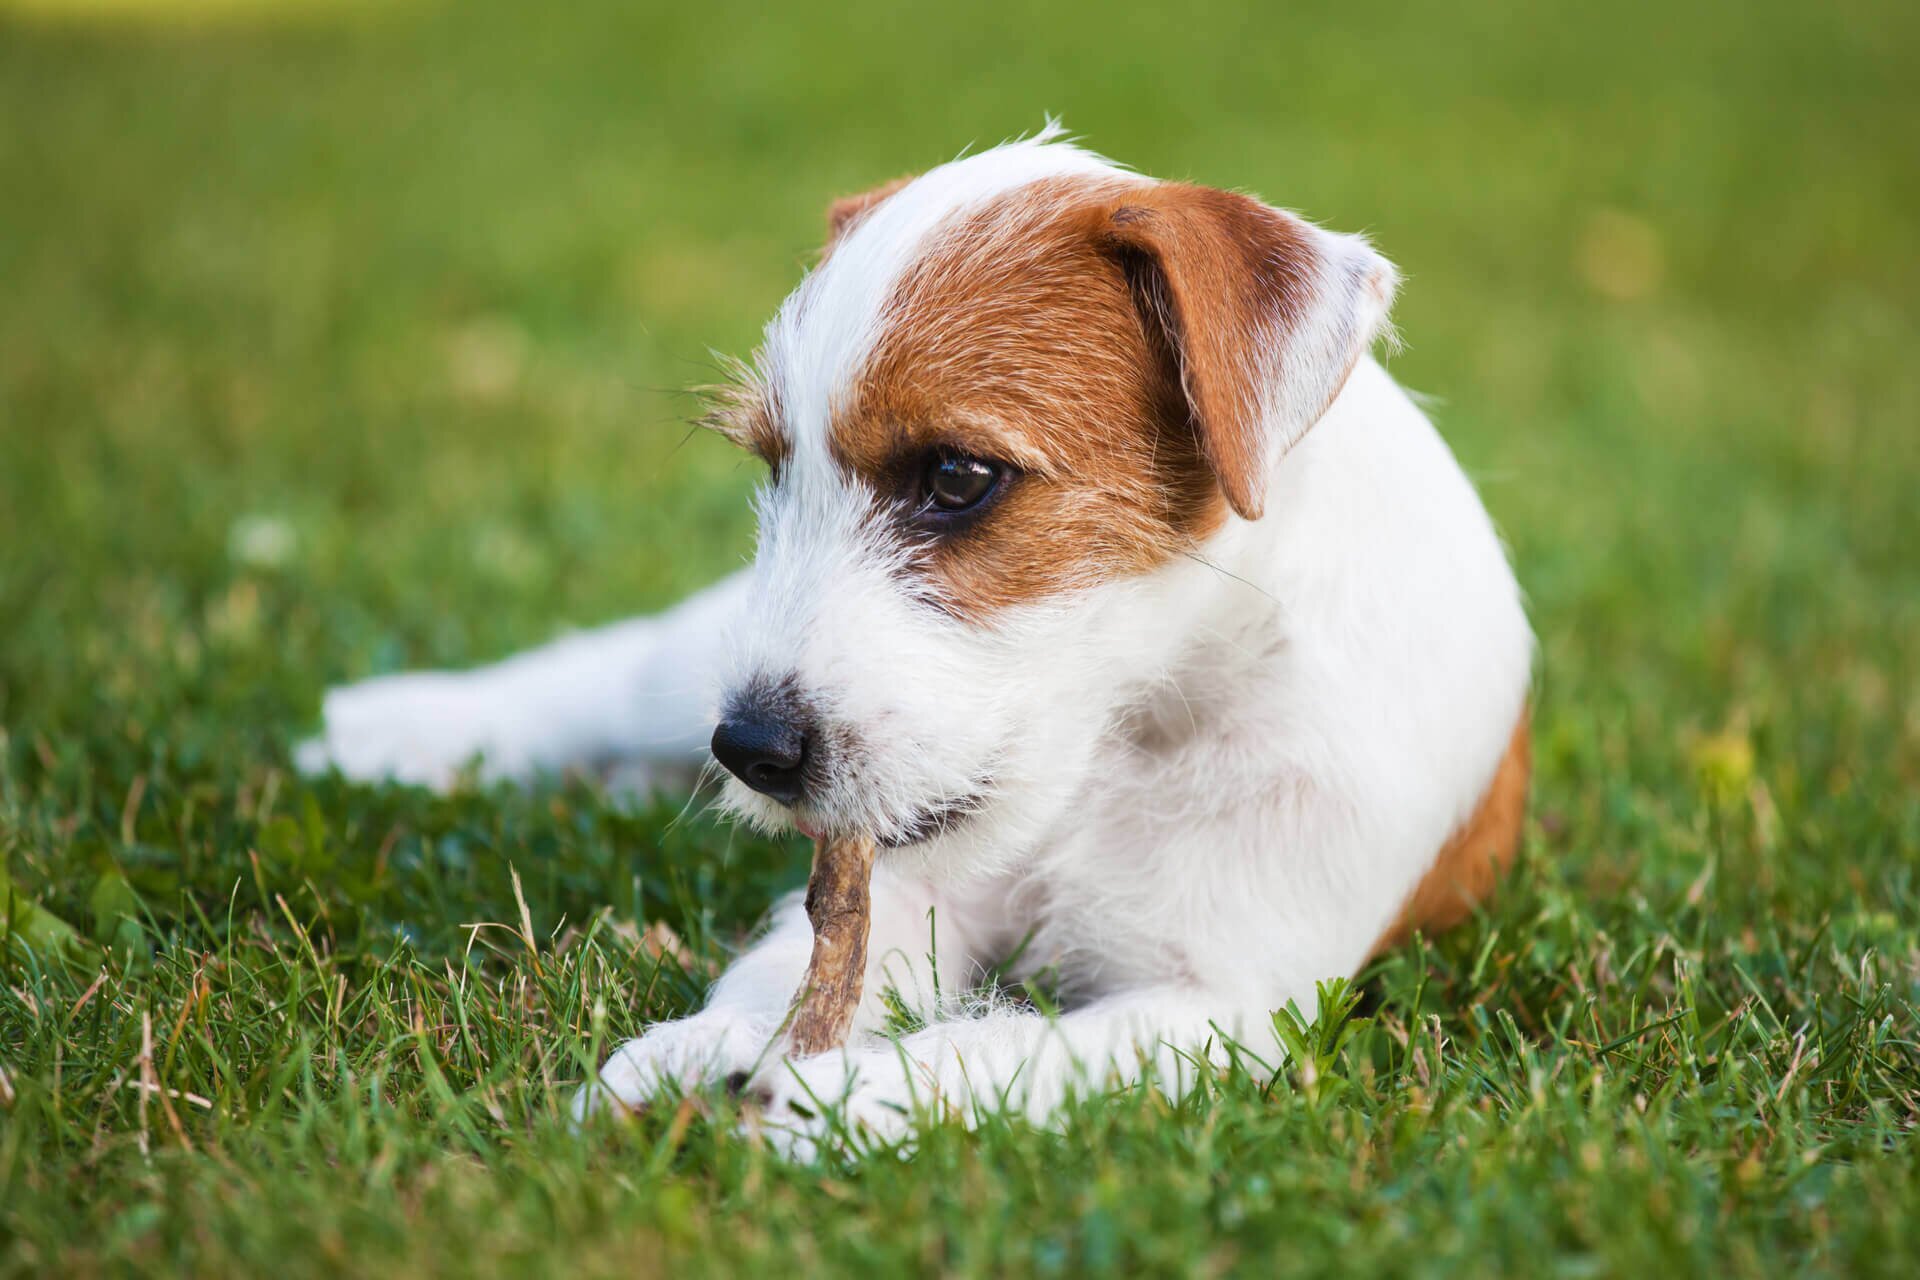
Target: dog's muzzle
{"points": [[766, 739]]}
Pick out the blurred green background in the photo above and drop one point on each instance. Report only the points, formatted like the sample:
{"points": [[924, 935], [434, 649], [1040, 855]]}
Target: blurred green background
{"points": [[342, 337]]}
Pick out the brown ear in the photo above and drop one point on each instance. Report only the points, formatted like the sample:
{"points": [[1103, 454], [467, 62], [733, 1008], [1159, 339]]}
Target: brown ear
{"points": [[847, 210], [1266, 315]]}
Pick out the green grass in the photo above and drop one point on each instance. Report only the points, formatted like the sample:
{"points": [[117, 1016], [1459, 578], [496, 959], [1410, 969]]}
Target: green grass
{"points": [[347, 342]]}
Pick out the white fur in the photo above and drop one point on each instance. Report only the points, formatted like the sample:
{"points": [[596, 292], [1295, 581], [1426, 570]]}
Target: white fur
{"points": [[1209, 786]]}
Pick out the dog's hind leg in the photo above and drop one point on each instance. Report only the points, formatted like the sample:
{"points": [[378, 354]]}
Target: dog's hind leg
{"points": [[635, 695]]}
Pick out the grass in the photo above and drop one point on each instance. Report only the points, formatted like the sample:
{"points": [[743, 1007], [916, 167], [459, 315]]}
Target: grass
{"points": [[344, 341]]}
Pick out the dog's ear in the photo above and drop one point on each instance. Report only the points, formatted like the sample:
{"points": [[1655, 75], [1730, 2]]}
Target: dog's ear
{"points": [[1264, 314], [843, 213]]}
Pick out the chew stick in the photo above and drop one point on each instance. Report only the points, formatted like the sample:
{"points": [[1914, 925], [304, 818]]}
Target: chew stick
{"points": [[840, 908]]}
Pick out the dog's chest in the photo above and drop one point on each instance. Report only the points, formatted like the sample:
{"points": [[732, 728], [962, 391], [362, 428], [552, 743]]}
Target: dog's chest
{"points": [[1159, 869]]}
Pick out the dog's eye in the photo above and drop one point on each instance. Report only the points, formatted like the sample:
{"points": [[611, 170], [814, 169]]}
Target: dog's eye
{"points": [[955, 483]]}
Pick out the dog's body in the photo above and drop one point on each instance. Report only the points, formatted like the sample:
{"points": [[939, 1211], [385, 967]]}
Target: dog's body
{"points": [[1139, 680]]}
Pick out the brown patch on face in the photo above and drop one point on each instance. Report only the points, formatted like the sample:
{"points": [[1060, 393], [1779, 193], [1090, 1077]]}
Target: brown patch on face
{"points": [[1019, 338], [1470, 865]]}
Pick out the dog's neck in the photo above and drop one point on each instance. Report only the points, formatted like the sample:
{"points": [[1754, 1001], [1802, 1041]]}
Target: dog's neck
{"points": [[1217, 620]]}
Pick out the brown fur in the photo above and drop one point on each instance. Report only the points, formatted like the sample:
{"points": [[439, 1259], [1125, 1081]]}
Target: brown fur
{"points": [[1470, 865], [1225, 274]]}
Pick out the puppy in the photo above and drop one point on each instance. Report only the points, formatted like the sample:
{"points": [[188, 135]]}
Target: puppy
{"points": [[1107, 578]]}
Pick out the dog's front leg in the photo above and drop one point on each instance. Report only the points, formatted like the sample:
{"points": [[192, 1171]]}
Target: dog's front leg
{"points": [[1007, 1061], [636, 692], [921, 949]]}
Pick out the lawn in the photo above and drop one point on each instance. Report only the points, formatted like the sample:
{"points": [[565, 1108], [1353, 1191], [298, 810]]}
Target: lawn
{"points": [[338, 338]]}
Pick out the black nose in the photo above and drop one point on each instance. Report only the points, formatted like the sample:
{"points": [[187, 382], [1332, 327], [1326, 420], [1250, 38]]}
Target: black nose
{"points": [[766, 748]]}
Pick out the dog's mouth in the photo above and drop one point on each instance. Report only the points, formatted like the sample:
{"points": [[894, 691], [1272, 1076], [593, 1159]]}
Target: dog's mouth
{"points": [[934, 820], [924, 824]]}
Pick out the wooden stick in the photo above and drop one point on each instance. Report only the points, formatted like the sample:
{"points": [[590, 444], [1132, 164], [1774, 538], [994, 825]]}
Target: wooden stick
{"points": [[840, 908]]}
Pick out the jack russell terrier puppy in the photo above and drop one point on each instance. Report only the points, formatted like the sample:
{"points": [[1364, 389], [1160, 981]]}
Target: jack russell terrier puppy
{"points": [[1107, 579]]}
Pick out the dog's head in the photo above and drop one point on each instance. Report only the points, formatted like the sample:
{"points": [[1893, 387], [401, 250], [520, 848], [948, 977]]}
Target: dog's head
{"points": [[1014, 389]]}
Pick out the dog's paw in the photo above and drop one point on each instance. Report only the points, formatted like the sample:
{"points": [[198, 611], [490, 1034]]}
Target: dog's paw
{"points": [[421, 728], [707, 1048], [856, 1102]]}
